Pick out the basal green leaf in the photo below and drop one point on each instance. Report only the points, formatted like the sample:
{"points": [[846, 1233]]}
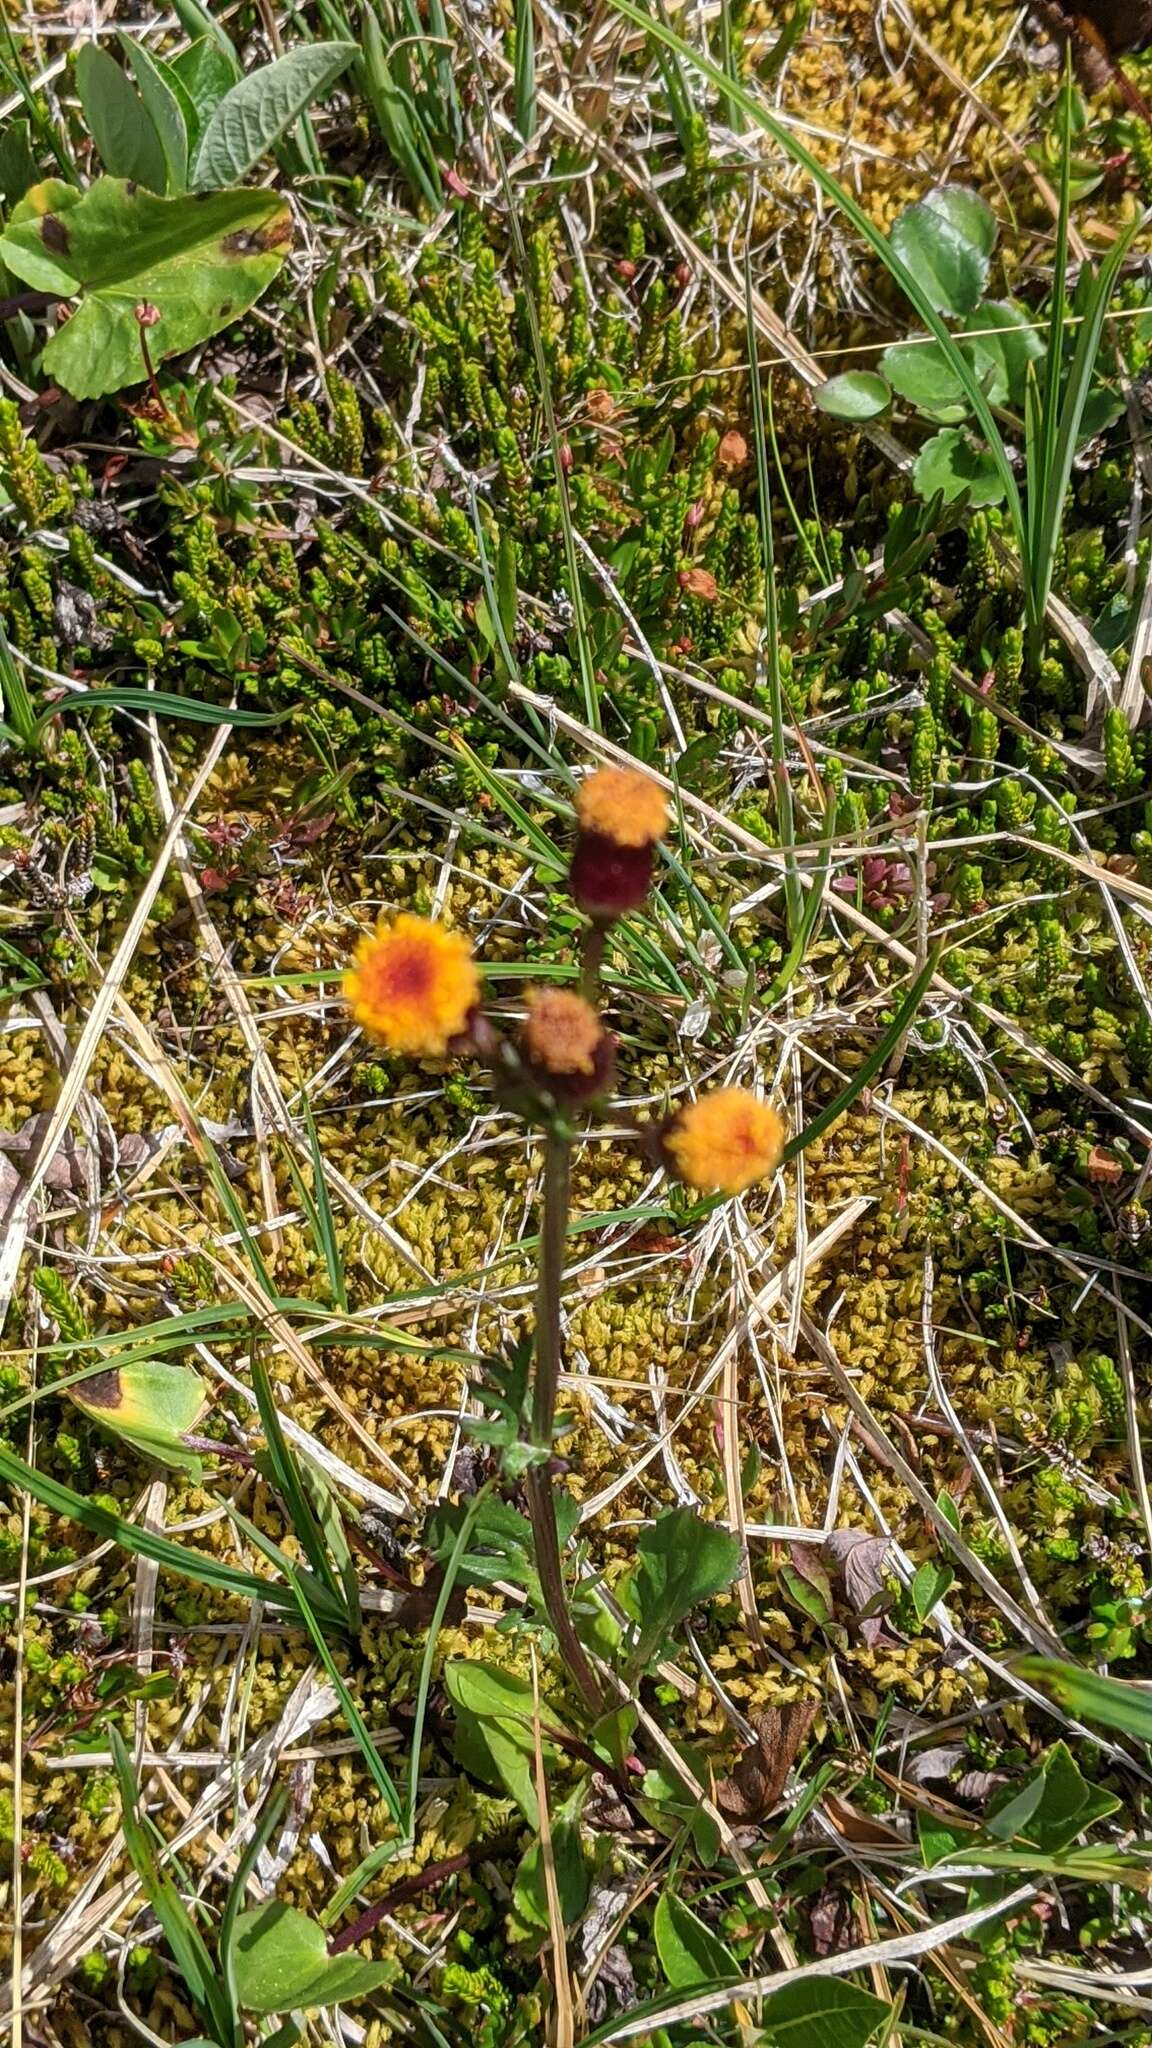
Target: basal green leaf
{"points": [[255, 112], [690, 1954], [930, 1584], [938, 1842], [1013, 1807], [1052, 1807], [952, 464], [857, 395], [949, 270], [197, 22], [680, 1561], [151, 1405], [821, 2012], [494, 1736], [206, 75], [197, 263], [125, 138], [1010, 349], [923, 375], [1070, 1804], [280, 1963], [573, 1877], [164, 111], [967, 213]]}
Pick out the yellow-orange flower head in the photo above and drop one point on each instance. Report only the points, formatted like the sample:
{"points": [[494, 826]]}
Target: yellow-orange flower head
{"points": [[623, 805], [412, 985], [725, 1142]]}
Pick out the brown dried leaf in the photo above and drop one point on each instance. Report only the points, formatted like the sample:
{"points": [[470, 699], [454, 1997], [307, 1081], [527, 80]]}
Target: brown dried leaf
{"points": [[1104, 1167], [832, 1918], [862, 1561], [761, 1771], [733, 450], [859, 1827]]}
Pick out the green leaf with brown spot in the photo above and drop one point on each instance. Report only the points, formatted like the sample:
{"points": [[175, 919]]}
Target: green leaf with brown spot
{"points": [[196, 262], [151, 1405]]}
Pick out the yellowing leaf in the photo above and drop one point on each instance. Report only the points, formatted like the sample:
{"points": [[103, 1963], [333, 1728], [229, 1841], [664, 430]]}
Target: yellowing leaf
{"points": [[150, 1405]]}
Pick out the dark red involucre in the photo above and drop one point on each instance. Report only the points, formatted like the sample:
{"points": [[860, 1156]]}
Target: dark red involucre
{"points": [[608, 880]]}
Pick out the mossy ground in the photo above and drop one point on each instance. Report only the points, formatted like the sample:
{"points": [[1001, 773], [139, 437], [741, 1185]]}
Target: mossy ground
{"points": [[310, 528]]}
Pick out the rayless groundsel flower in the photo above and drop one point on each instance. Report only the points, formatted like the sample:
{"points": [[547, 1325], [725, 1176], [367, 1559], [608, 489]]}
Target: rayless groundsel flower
{"points": [[724, 1142], [414, 986], [622, 816]]}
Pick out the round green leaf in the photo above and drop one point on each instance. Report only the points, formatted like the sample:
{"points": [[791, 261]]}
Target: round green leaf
{"points": [[950, 271], [965, 211], [281, 1963], [952, 464], [1001, 357], [857, 395], [923, 374]]}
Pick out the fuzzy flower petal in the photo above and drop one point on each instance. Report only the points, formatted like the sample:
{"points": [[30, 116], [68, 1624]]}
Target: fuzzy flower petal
{"points": [[412, 985], [623, 805], [724, 1142]]}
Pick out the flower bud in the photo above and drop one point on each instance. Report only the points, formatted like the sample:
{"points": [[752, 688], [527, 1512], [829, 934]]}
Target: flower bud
{"points": [[565, 1049]]}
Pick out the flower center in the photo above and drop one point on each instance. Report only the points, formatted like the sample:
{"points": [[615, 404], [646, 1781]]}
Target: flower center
{"points": [[406, 976]]}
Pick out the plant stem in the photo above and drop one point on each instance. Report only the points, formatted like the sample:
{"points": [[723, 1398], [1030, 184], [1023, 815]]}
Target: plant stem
{"points": [[592, 960], [553, 1233]]}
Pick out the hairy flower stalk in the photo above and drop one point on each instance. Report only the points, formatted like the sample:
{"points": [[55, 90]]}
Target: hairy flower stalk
{"points": [[549, 1346], [414, 986]]}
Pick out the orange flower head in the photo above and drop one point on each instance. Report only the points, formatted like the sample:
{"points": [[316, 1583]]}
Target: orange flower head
{"points": [[724, 1142], [623, 805], [561, 1032], [412, 985]]}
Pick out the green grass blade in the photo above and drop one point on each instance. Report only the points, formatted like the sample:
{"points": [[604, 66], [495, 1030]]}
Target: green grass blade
{"points": [[785, 811], [869, 1068], [196, 1565], [187, 1944], [1111, 1702], [1062, 454], [286, 1472], [525, 91], [380, 1777], [164, 703], [424, 1684], [15, 702]]}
